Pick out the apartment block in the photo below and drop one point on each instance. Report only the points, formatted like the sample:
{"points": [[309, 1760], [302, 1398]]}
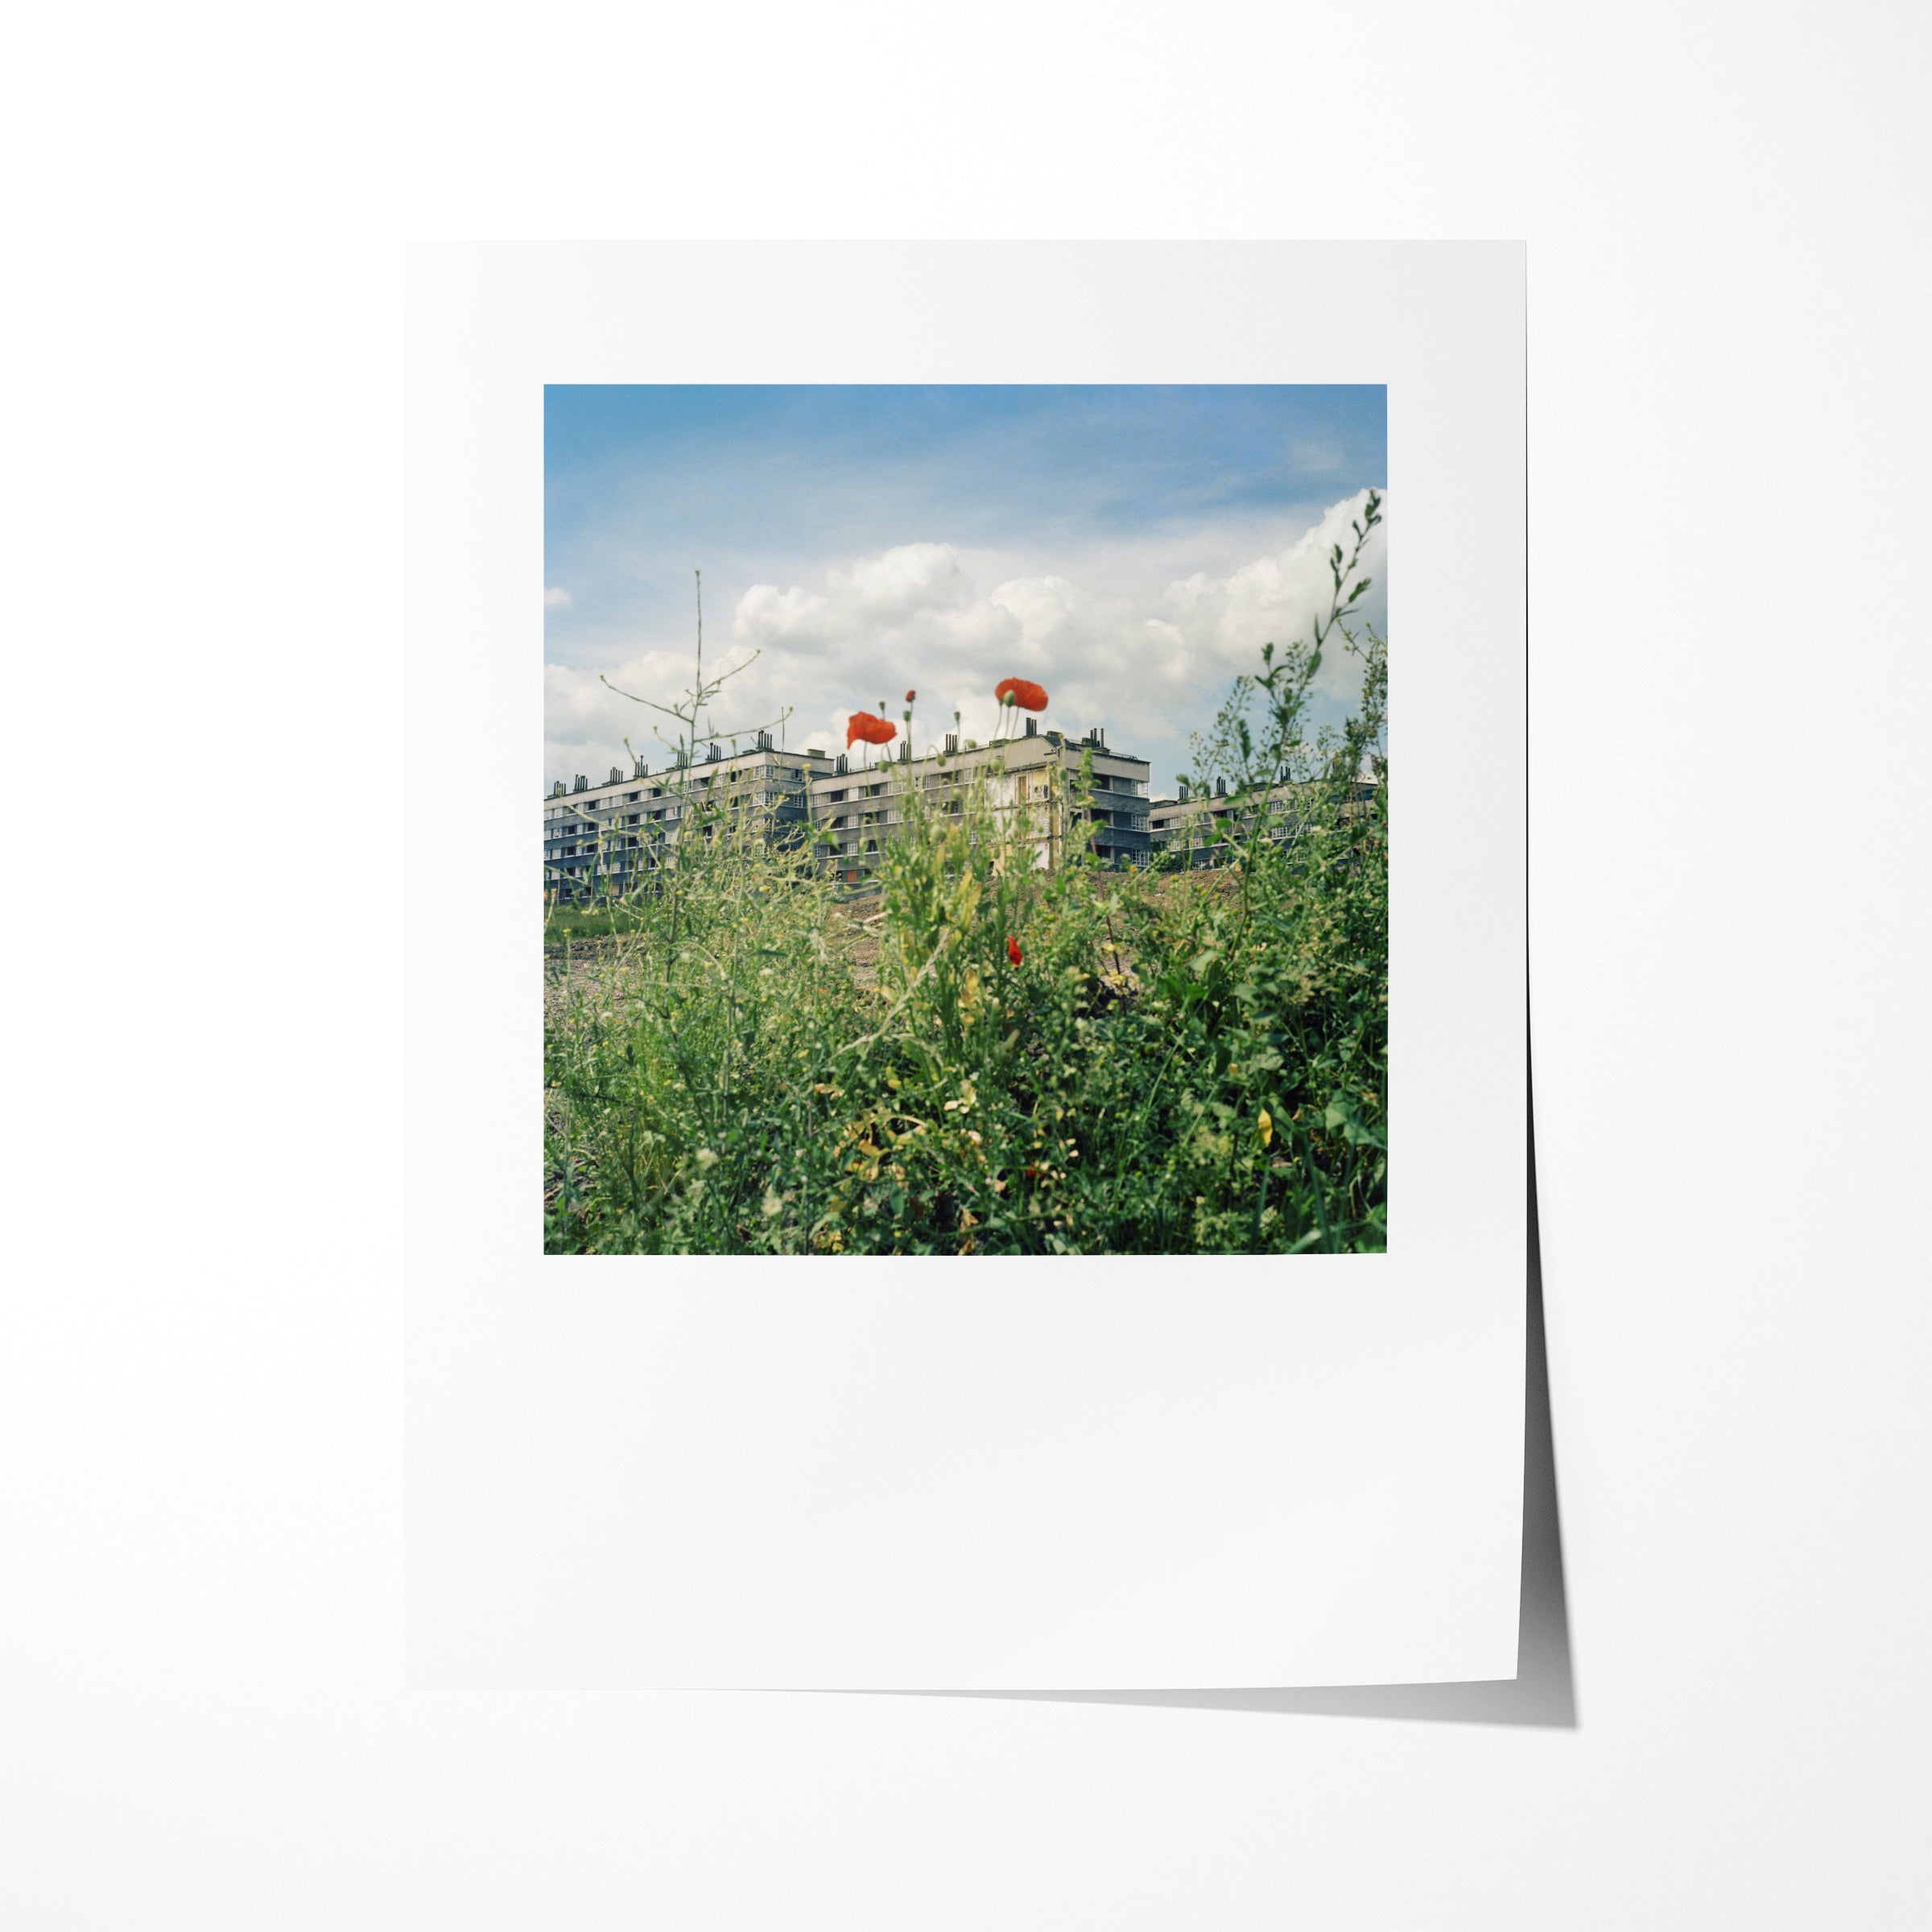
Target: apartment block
{"points": [[1207, 828], [857, 809], [603, 840], [600, 840], [1195, 825]]}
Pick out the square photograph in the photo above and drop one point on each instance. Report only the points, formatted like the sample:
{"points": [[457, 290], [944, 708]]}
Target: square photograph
{"points": [[965, 820]]}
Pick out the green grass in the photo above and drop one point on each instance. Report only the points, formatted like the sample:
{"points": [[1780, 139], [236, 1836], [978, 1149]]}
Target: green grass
{"points": [[1193, 1065], [572, 923]]}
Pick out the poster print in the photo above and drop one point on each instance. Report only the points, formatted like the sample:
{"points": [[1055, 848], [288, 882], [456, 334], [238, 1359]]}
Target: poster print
{"points": [[929, 1284]]}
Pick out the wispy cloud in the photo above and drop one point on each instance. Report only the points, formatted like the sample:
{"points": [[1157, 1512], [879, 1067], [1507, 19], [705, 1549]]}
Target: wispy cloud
{"points": [[556, 597], [1323, 458]]}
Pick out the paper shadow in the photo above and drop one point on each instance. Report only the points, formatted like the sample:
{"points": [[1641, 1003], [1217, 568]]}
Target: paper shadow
{"points": [[1543, 1691]]}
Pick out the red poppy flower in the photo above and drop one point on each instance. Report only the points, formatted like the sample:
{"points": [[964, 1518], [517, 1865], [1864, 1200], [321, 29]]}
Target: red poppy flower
{"points": [[1012, 950], [873, 730], [1023, 691]]}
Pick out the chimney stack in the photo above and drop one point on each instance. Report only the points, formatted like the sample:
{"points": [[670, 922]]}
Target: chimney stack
{"points": [[1030, 731]]}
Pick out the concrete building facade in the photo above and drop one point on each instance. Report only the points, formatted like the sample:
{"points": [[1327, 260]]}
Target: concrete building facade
{"points": [[1199, 826], [858, 809], [603, 840], [1207, 828]]}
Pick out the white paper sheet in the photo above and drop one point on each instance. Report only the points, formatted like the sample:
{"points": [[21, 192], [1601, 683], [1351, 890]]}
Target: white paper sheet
{"points": [[1054, 1473]]}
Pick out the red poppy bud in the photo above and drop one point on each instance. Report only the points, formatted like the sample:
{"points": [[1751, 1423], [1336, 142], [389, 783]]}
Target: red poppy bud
{"points": [[910, 695], [1013, 949], [1023, 691]]}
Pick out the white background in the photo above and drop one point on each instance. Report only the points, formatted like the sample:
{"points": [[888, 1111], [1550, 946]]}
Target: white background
{"points": [[1047, 1472], [202, 1398]]}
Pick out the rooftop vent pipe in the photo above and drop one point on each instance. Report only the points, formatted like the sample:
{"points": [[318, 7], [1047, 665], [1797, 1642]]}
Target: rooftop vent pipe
{"points": [[1030, 731], [581, 783], [1220, 788]]}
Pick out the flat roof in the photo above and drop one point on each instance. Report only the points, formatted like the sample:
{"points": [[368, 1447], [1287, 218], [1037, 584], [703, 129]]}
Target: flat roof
{"points": [[669, 774]]}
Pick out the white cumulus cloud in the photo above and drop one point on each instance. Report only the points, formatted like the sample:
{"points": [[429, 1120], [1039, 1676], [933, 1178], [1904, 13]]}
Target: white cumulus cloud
{"points": [[1119, 640]]}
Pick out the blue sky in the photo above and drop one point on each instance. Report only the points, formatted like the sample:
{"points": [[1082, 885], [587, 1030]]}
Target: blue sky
{"points": [[1130, 548]]}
